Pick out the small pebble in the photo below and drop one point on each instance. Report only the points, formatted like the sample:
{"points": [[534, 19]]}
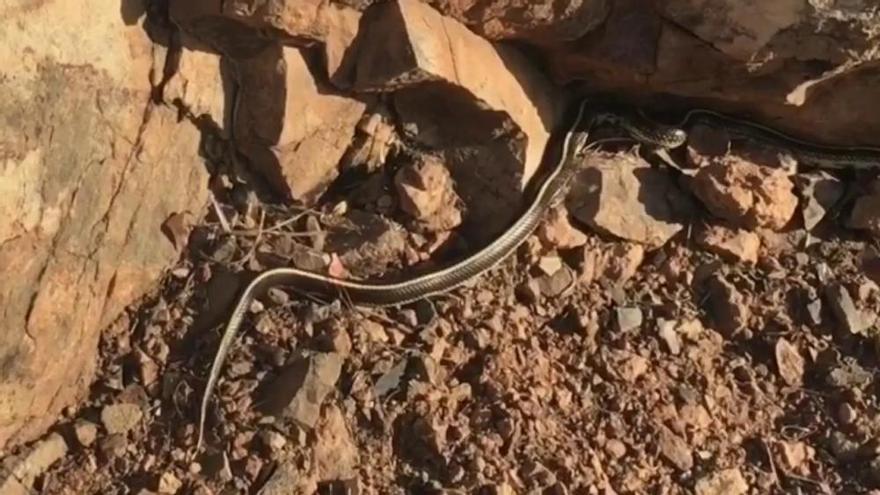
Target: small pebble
{"points": [[847, 414], [628, 318], [85, 432]]}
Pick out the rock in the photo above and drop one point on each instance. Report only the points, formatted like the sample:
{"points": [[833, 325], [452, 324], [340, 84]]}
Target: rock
{"points": [[724, 482], [541, 22], [675, 449], [846, 414], [273, 440], [120, 418], [234, 27], [391, 379], [426, 368], [623, 197], [529, 291], [615, 448], [302, 386], [814, 311], [113, 446], [19, 472], [874, 472], [794, 454], [367, 243], [426, 193], [337, 340], [197, 84], [537, 475], [375, 137], [621, 262], [728, 307], [789, 362], [632, 367], [336, 455], [733, 244], [298, 156], [866, 214], [556, 231], [628, 318], [288, 478], [843, 448], [148, 370], [554, 285], [819, 192], [85, 432], [851, 318], [721, 44], [88, 158], [849, 375], [408, 42], [550, 264], [372, 330], [666, 331], [746, 194], [169, 483]]}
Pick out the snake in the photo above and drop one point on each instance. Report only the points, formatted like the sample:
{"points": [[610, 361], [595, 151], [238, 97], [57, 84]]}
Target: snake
{"points": [[375, 294], [806, 153], [547, 194]]}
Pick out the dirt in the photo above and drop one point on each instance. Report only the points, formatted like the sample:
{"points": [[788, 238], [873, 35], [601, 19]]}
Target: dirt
{"points": [[693, 373]]}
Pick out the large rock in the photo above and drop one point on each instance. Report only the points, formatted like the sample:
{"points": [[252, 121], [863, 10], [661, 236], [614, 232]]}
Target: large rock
{"points": [[792, 64], [293, 127], [408, 43], [85, 169]]}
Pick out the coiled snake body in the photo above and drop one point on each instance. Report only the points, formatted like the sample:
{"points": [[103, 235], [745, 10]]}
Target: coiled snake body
{"points": [[549, 191]]}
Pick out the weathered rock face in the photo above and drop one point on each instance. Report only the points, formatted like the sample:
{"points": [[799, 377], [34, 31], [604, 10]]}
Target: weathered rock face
{"points": [[806, 67], [85, 167], [541, 21]]}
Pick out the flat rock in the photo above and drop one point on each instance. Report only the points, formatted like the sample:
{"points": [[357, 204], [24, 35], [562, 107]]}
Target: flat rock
{"points": [[620, 195], [120, 418], [302, 386], [845, 311], [675, 449], [293, 127], [728, 307], [17, 474], [628, 318], [746, 194], [819, 192], [724, 482], [732, 244], [336, 455], [789, 362]]}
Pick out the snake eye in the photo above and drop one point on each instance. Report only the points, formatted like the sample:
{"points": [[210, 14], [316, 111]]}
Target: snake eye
{"points": [[679, 137]]}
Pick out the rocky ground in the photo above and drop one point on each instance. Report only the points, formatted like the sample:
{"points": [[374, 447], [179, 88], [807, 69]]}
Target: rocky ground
{"points": [[620, 350], [704, 320]]}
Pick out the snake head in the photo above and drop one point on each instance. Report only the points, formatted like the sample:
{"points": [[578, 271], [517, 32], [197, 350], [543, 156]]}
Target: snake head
{"points": [[677, 137]]}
